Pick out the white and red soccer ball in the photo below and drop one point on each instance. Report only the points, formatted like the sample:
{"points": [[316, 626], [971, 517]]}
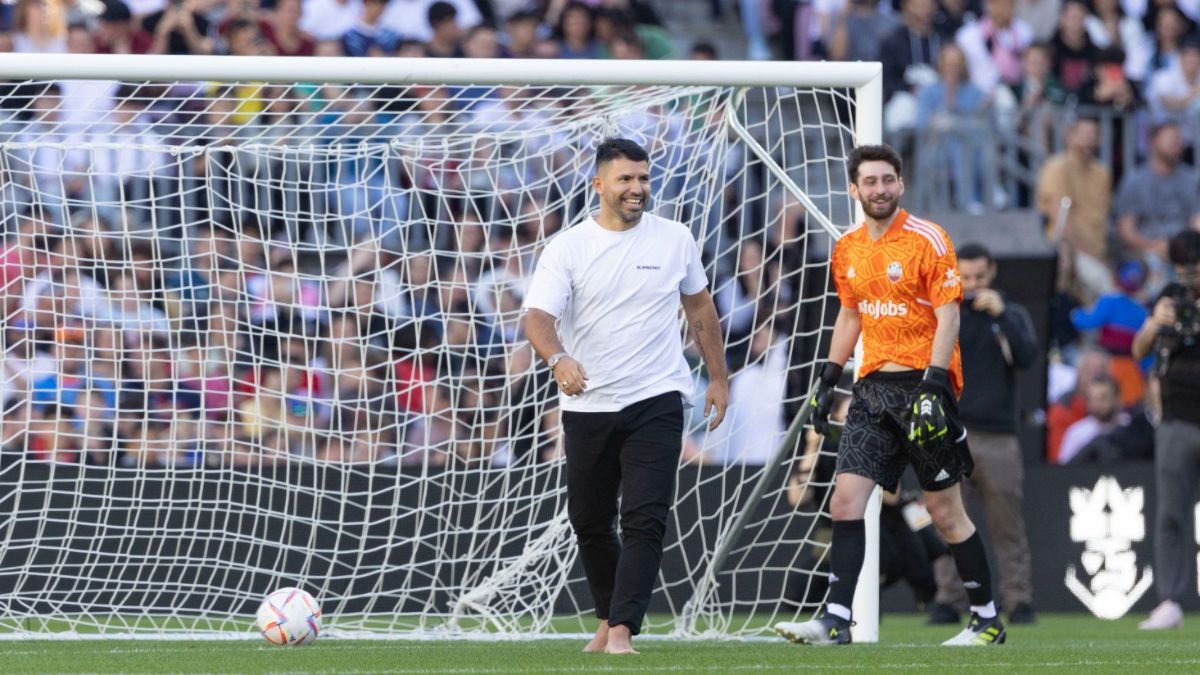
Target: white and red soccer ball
{"points": [[289, 617]]}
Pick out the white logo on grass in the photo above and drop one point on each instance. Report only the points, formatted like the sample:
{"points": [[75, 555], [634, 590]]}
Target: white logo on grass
{"points": [[1108, 519]]}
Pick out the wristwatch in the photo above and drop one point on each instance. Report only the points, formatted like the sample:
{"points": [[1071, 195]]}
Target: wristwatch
{"points": [[554, 359]]}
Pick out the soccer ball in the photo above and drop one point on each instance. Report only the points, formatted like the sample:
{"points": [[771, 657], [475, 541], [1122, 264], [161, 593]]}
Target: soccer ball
{"points": [[289, 617]]}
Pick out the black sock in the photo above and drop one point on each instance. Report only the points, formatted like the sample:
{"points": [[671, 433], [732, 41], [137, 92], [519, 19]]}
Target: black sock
{"points": [[847, 550], [971, 560]]}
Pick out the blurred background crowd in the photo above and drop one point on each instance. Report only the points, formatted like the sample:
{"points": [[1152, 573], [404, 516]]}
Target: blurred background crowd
{"points": [[1081, 113]]}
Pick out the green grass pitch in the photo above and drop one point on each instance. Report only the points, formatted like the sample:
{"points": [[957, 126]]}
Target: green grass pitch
{"points": [[1059, 643]]}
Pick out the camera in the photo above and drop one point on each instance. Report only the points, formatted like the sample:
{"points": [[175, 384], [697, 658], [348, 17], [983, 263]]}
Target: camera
{"points": [[1183, 334], [1183, 250], [1187, 320]]}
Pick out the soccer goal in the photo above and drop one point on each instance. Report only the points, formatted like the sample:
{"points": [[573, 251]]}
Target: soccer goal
{"points": [[262, 329]]}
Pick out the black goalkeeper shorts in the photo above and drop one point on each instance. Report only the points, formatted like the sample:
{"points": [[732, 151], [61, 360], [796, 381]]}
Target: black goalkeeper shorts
{"points": [[875, 445]]}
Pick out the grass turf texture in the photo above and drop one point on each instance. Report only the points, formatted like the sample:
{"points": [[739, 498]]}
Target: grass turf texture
{"points": [[1059, 643]]}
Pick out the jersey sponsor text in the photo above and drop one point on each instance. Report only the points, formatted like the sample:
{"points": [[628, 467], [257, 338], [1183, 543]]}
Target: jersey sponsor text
{"points": [[879, 308]]}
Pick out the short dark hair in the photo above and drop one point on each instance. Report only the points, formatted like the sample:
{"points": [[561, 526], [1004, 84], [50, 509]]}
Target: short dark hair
{"points": [[115, 11], [476, 29], [706, 49], [240, 24], [524, 15], [619, 18], [617, 148], [872, 153], [1184, 248], [441, 11], [1082, 119], [1110, 55], [1158, 126], [1043, 47], [974, 251]]}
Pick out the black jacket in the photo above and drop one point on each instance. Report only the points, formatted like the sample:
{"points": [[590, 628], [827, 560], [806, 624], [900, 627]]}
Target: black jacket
{"points": [[1180, 372], [993, 350]]}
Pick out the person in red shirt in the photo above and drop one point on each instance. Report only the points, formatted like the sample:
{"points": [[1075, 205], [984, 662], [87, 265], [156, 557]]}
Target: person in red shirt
{"points": [[898, 283], [116, 32], [283, 30]]}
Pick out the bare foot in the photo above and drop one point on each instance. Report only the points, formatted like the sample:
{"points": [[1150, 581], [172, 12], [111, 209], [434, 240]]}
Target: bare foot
{"points": [[600, 641], [620, 641]]}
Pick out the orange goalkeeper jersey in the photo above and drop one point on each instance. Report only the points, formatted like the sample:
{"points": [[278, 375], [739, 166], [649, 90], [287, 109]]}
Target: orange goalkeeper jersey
{"points": [[895, 283]]}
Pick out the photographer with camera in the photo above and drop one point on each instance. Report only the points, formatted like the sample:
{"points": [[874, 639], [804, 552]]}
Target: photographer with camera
{"points": [[997, 340], [1172, 333]]}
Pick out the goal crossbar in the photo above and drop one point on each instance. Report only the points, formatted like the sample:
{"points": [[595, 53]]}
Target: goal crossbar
{"points": [[448, 71]]}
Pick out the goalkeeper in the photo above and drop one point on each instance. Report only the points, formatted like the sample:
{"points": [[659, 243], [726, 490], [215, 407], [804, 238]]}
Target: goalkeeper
{"points": [[897, 279]]}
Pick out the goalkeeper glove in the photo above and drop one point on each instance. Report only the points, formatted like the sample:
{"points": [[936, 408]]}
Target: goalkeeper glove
{"points": [[932, 412], [821, 403]]}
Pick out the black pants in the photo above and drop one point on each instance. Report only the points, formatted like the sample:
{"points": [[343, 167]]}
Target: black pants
{"points": [[636, 451]]}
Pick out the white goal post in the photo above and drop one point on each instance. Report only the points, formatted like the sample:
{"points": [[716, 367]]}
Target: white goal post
{"points": [[261, 329]]}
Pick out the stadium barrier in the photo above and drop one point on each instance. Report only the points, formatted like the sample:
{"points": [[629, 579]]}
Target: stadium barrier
{"points": [[1090, 523]]}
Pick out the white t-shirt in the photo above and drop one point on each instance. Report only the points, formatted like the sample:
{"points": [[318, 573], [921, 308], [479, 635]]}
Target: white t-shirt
{"points": [[410, 18], [616, 295], [1169, 81], [753, 428], [1084, 431], [329, 19]]}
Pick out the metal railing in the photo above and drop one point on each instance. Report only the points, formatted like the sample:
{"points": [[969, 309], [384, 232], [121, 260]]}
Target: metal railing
{"points": [[978, 163]]}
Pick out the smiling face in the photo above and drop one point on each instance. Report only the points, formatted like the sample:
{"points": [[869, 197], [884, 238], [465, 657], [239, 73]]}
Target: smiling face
{"points": [[878, 189], [624, 188]]}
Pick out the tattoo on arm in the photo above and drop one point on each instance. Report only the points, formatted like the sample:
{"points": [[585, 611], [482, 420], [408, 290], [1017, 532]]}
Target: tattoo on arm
{"points": [[700, 340]]}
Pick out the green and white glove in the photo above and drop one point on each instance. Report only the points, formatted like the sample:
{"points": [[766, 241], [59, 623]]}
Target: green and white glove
{"points": [[931, 415], [822, 400]]}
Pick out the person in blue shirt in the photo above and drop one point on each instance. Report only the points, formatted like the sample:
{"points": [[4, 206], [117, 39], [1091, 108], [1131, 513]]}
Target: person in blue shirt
{"points": [[369, 37], [1119, 314], [1116, 316]]}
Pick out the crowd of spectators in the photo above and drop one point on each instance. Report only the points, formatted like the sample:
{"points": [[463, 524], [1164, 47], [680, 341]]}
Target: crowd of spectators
{"points": [[235, 357], [1062, 77], [441, 28], [138, 333], [1065, 82], [1022, 65], [241, 353]]}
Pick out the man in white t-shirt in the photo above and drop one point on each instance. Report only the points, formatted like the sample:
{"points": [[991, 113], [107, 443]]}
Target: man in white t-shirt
{"points": [[410, 18], [614, 283], [1174, 91], [329, 19]]}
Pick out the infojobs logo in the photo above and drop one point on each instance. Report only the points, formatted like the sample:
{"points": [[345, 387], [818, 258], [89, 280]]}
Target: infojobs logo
{"points": [[1107, 520], [878, 308]]}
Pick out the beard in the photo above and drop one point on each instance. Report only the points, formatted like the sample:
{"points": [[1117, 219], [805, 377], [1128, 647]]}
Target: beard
{"points": [[627, 213], [880, 210]]}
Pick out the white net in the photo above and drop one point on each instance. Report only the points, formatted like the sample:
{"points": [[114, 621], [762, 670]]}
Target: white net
{"points": [[259, 335]]}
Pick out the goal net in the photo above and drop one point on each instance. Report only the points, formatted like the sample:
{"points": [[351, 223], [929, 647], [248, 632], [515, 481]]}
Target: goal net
{"points": [[261, 328]]}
